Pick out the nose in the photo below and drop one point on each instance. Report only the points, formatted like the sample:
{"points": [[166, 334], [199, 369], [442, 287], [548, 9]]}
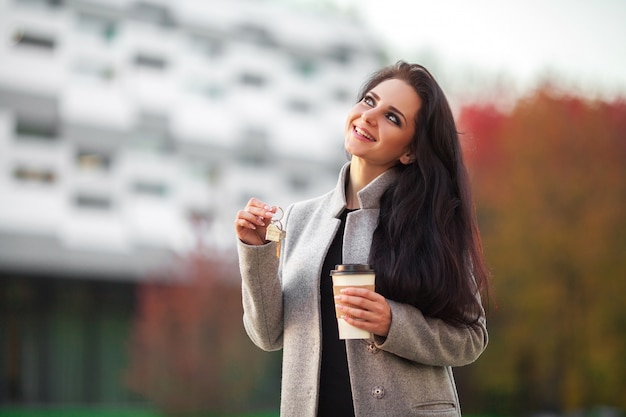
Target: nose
{"points": [[369, 117]]}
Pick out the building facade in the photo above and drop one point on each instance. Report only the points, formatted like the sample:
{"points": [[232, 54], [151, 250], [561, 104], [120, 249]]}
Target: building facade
{"points": [[128, 131]]}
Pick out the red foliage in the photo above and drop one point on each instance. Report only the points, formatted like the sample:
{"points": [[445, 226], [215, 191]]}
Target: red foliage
{"points": [[188, 350], [549, 179], [480, 127]]}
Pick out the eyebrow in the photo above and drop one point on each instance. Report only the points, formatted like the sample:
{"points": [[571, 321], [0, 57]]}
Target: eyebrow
{"points": [[377, 97]]}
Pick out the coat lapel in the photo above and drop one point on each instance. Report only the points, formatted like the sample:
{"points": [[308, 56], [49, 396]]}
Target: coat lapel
{"points": [[360, 224]]}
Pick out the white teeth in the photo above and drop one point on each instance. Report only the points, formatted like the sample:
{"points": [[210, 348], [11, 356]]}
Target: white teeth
{"points": [[364, 133]]}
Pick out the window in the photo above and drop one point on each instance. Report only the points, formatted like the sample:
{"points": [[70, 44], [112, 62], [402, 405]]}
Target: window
{"points": [[26, 39], [150, 188], [152, 134], [206, 89], [207, 46], [305, 67], [298, 182], [200, 218], [152, 13], [93, 161], [254, 147], [37, 130], [341, 54], [151, 141], [93, 202], [28, 174], [41, 3], [300, 106], [99, 27], [200, 170], [150, 62], [343, 96], [252, 80], [94, 70], [256, 34], [214, 91]]}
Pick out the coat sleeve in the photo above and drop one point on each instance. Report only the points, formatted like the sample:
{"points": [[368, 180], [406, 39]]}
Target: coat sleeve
{"points": [[261, 295], [432, 341]]}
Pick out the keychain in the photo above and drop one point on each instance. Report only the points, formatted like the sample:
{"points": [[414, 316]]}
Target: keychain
{"points": [[275, 231]]}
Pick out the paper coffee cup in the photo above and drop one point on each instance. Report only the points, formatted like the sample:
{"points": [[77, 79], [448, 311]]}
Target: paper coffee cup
{"points": [[350, 276]]}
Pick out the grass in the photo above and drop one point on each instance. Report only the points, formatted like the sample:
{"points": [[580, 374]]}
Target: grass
{"points": [[96, 412]]}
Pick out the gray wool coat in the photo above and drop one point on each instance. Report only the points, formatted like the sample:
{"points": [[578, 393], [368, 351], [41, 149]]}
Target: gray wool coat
{"points": [[408, 373]]}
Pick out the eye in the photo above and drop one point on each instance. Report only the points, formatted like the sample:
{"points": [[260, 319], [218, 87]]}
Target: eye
{"points": [[369, 100], [393, 118]]}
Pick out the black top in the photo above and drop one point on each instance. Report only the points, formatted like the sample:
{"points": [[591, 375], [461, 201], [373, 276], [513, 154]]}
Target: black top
{"points": [[335, 397]]}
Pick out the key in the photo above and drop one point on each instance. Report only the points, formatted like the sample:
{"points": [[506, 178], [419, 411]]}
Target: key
{"points": [[275, 232]]}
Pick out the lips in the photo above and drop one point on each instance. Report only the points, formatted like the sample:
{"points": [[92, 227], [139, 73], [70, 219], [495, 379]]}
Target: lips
{"points": [[364, 134]]}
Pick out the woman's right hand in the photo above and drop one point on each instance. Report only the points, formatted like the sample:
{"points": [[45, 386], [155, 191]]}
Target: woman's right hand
{"points": [[251, 223]]}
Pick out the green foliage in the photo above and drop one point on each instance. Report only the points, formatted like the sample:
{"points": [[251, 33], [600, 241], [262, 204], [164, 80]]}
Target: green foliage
{"points": [[106, 412], [76, 412], [549, 182]]}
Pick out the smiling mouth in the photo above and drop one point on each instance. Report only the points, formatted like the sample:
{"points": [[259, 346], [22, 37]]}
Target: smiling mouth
{"points": [[364, 134]]}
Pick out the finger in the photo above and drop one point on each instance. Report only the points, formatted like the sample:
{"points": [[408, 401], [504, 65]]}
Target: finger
{"points": [[365, 311], [248, 232], [361, 318], [375, 328], [255, 213], [362, 292], [263, 212], [359, 302], [255, 203], [364, 308], [353, 312], [377, 323], [251, 222], [248, 219]]}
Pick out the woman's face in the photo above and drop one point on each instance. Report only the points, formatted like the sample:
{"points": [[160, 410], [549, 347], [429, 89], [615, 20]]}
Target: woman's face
{"points": [[380, 127]]}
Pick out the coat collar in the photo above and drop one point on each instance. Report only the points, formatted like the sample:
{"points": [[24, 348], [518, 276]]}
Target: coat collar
{"points": [[369, 196]]}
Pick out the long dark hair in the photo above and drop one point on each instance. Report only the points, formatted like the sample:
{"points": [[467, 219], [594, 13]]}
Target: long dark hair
{"points": [[426, 247]]}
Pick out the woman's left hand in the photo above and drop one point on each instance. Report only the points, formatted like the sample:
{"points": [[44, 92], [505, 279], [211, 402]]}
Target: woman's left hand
{"points": [[368, 310]]}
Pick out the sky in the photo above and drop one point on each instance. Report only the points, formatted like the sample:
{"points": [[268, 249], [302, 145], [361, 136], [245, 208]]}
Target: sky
{"points": [[580, 44]]}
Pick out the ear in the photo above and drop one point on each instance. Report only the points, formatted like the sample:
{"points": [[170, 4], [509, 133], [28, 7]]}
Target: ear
{"points": [[407, 159]]}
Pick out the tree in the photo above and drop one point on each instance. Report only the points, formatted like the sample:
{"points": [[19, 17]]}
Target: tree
{"points": [[189, 352], [549, 180]]}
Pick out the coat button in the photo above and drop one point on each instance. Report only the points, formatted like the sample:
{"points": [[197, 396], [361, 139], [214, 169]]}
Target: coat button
{"points": [[371, 347], [378, 392]]}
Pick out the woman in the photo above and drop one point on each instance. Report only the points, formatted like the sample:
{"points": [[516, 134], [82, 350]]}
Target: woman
{"points": [[402, 204]]}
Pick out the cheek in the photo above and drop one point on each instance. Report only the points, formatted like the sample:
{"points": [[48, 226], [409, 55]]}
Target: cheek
{"points": [[349, 119], [408, 142], [404, 142]]}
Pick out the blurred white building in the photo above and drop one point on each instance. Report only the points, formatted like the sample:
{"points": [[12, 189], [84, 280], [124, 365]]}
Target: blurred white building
{"points": [[124, 123], [128, 131]]}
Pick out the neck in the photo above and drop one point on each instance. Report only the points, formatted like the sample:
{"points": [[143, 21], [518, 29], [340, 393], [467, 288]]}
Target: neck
{"points": [[360, 175]]}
